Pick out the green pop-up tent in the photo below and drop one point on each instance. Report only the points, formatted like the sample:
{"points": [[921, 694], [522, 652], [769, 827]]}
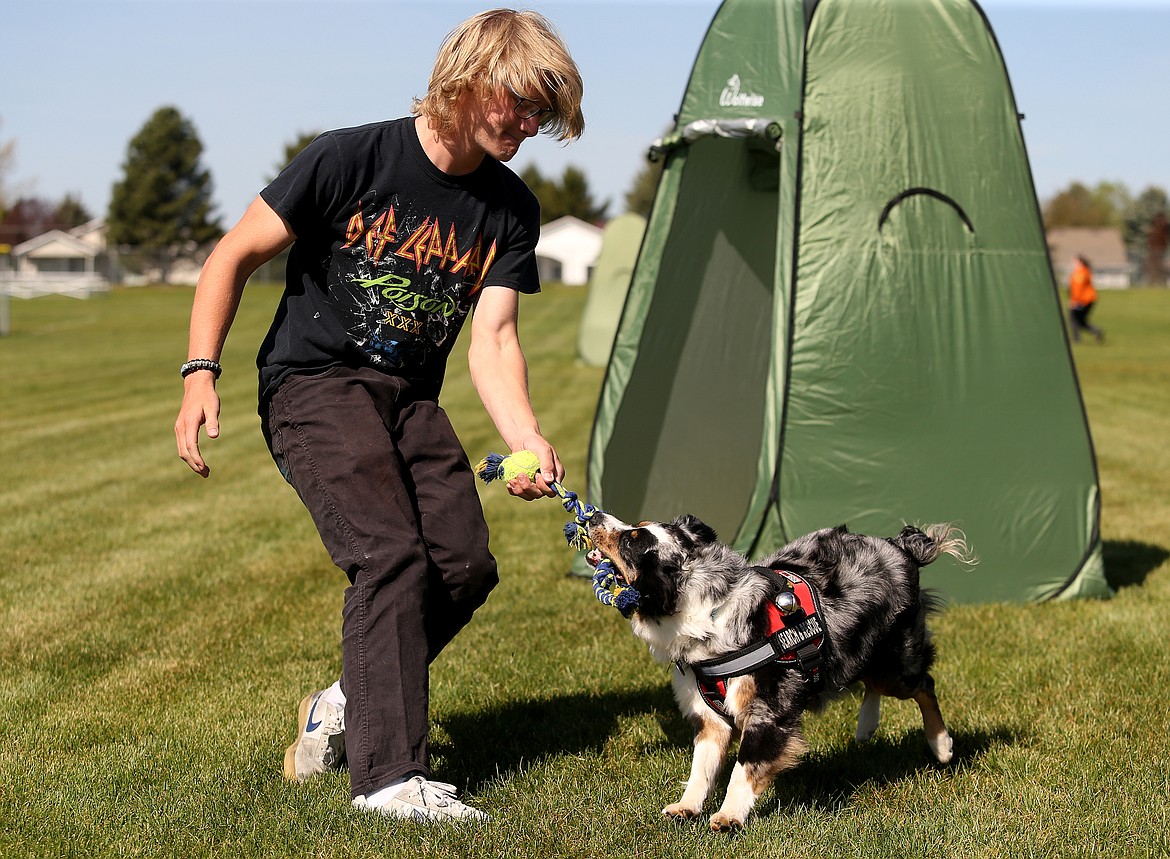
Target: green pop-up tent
{"points": [[608, 284], [843, 310]]}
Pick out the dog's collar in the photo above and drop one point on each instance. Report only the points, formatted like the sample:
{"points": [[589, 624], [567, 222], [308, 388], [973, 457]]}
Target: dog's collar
{"points": [[795, 639]]}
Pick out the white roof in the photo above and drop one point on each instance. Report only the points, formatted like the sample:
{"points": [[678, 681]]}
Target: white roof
{"points": [[92, 232], [1102, 246], [55, 244], [569, 237]]}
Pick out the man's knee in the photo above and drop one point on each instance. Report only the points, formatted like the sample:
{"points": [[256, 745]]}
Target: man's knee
{"points": [[478, 578]]}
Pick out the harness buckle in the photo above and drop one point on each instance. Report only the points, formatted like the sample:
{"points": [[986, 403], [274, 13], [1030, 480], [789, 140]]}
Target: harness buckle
{"points": [[808, 657]]}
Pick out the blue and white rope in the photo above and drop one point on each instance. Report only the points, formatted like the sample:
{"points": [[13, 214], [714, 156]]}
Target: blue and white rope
{"points": [[608, 589]]}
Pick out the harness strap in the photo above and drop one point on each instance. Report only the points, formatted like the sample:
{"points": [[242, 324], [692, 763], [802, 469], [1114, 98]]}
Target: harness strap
{"points": [[799, 645], [714, 694], [795, 639]]}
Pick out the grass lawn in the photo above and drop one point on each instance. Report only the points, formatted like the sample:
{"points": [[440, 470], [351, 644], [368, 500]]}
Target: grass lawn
{"points": [[158, 631]]}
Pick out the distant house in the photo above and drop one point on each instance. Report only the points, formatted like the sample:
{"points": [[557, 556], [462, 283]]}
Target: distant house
{"points": [[567, 249], [62, 262], [1101, 246]]}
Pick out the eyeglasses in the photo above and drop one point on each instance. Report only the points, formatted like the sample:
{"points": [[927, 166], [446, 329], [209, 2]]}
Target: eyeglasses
{"points": [[526, 108]]}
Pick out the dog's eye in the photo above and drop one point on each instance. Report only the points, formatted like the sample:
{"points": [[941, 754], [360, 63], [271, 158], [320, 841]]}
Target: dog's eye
{"points": [[632, 538]]}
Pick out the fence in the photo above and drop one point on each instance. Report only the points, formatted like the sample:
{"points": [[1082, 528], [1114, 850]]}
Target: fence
{"points": [[33, 284]]}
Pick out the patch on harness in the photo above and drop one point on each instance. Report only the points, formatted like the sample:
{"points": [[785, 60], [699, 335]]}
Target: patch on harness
{"points": [[793, 637]]}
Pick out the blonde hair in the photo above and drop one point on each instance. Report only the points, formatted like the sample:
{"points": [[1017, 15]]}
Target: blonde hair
{"points": [[504, 48]]}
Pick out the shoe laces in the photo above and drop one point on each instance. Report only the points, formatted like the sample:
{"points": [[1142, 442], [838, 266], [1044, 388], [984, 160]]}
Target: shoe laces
{"points": [[437, 794], [332, 717]]}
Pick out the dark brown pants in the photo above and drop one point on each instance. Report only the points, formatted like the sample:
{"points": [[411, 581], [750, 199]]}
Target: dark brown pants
{"points": [[393, 496]]}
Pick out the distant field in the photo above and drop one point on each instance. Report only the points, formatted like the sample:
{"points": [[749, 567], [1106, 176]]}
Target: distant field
{"points": [[158, 631]]}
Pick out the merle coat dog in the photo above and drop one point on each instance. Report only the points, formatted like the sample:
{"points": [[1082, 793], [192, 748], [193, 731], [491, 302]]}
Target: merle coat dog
{"points": [[757, 646]]}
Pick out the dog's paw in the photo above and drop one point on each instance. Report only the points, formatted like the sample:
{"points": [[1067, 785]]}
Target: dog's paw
{"points": [[723, 822], [943, 747], [679, 812]]}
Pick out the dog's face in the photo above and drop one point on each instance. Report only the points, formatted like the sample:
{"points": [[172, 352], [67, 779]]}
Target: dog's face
{"points": [[650, 556]]}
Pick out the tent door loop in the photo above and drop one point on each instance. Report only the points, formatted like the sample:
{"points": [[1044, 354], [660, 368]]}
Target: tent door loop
{"points": [[768, 129]]}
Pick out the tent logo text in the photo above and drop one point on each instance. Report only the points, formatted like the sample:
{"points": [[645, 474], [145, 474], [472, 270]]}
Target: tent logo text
{"points": [[732, 97]]}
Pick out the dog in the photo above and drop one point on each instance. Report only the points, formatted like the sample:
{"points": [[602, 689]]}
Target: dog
{"points": [[849, 608]]}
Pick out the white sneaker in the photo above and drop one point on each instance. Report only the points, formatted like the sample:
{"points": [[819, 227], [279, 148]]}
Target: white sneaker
{"points": [[320, 746], [422, 801]]}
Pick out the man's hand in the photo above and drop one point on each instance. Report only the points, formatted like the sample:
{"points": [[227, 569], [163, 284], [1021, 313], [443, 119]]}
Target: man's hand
{"points": [[200, 407], [551, 471]]}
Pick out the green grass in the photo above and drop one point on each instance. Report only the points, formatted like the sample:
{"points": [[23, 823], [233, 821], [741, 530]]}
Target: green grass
{"points": [[158, 631]]}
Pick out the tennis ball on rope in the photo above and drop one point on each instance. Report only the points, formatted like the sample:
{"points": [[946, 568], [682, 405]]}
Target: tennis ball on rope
{"points": [[508, 468], [607, 586]]}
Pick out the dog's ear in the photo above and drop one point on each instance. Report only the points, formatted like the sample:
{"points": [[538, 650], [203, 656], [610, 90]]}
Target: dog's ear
{"points": [[699, 531], [658, 589]]}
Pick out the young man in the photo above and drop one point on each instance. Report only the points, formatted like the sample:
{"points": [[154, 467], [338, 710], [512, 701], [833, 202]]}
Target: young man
{"points": [[398, 229]]}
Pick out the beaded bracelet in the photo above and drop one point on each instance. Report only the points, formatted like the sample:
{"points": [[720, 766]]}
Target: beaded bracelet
{"points": [[198, 364]]}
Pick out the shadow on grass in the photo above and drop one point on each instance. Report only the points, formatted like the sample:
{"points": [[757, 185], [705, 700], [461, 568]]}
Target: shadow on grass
{"points": [[1128, 562], [828, 781], [487, 745]]}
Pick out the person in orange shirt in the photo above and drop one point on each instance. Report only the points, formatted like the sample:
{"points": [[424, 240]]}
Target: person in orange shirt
{"points": [[1082, 295]]}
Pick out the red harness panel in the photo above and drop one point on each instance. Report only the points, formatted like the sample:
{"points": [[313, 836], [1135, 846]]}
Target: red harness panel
{"points": [[795, 638]]}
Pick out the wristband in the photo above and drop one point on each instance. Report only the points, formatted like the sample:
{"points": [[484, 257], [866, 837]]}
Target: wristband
{"points": [[198, 364]]}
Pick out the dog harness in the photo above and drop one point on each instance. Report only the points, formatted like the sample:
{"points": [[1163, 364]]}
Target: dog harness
{"points": [[795, 639]]}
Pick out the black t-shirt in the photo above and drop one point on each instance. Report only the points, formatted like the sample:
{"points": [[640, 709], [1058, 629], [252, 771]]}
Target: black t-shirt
{"points": [[390, 254]]}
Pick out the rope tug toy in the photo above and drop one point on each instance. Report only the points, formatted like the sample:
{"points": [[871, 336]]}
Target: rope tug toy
{"points": [[607, 587]]}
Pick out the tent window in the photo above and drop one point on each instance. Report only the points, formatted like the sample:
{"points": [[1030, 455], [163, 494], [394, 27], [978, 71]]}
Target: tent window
{"points": [[929, 192]]}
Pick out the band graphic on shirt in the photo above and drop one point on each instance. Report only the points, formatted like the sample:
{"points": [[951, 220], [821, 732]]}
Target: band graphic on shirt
{"points": [[412, 295]]}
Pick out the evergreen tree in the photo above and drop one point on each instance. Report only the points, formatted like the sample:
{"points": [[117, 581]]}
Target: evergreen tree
{"points": [[640, 197], [71, 212], [293, 148], [162, 207], [570, 196], [543, 188], [573, 197]]}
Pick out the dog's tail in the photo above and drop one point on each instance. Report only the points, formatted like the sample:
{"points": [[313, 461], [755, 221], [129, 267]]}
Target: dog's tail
{"points": [[925, 546]]}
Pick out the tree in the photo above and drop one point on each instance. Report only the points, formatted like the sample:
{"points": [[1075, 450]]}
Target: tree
{"points": [[575, 198], [1078, 206], [1157, 240], [1145, 232], [26, 218], [293, 149], [7, 156], [71, 212], [29, 217], [640, 197], [543, 188], [570, 196], [162, 208], [273, 269]]}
